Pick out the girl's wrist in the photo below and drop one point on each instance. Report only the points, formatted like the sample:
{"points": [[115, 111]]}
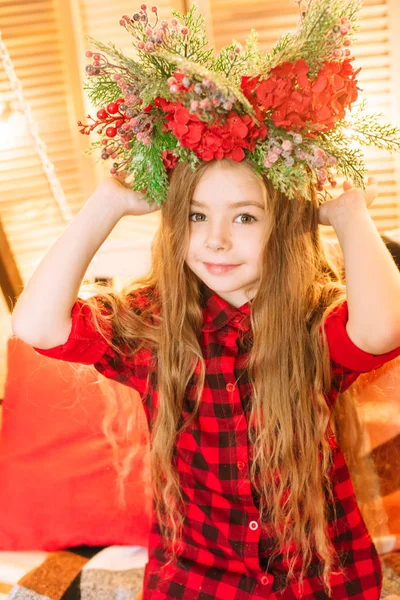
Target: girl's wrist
{"points": [[347, 212], [348, 218], [109, 200]]}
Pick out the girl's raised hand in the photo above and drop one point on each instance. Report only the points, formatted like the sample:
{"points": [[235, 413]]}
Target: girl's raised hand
{"points": [[352, 200], [117, 188]]}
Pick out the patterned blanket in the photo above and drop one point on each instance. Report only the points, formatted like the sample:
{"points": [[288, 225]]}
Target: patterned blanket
{"points": [[116, 573], [83, 573]]}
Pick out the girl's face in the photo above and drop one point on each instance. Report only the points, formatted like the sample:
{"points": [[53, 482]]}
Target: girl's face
{"points": [[227, 227]]}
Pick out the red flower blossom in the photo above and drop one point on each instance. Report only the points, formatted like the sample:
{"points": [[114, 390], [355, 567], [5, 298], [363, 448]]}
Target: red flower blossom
{"points": [[169, 159], [216, 141], [296, 102]]}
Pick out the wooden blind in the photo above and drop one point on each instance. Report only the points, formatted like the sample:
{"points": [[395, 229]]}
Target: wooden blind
{"points": [[31, 218], [100, 20], [272, 18]]}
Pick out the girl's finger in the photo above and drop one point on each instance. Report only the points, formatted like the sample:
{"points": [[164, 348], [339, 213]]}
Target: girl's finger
{"points": [[372, 190], [122, 176], [347, 185]]}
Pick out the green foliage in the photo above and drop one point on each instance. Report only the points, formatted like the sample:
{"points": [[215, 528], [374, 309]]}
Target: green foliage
{"points": [[193, 45], [289, 180], [233, 64], [367, 129], [350, 161], [101, 89], [315, 40], [127, 65], [148, 171], [154, 88]]}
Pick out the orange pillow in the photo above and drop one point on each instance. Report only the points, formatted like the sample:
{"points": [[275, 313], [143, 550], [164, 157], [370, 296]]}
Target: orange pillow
{"points": [[58, 483], [378, 398]]}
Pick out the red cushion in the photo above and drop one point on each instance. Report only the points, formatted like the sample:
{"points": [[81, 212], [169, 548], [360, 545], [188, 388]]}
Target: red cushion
{"points": [[58, 484]]}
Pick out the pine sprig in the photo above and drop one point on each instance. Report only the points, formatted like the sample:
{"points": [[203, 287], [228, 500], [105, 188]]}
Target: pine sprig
{"points": [[318, 23], [146, 165], [154, 88], [290, 180], [252, 59], [351, 164], [234, 64], [101, 89], [192, 46], [350, 161], [367, 129], [279, 50], [127, 65]]}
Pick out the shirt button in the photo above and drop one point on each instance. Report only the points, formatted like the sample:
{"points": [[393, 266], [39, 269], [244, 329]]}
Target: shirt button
{"points": [[240, 465], [253, 525], [264, 580], [230, 387]]}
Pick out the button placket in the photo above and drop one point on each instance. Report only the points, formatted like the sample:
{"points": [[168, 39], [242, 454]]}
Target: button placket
{"points": [[251, 544]]}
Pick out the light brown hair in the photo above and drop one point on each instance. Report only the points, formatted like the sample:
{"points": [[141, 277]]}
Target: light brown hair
{"points": [[289, 367]]}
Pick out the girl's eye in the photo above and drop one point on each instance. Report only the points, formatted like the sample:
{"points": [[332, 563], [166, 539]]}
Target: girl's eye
{"points": [[242, 215], [249, 217], [195, 215]]}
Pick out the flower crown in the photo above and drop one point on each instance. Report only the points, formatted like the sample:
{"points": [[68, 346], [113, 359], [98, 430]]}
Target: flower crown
{"points": [[286, 110]]}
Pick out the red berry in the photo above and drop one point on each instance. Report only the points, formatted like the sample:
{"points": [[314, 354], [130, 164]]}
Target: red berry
{"points": [[112, 108], [96, 56], [102, 114], [111, 132], [89, 53], [143, 6], [147, 108], [120, 101], [119, 122], [113, 171]]}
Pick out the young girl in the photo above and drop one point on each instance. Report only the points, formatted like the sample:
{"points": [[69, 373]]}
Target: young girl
{"points": [[242, 337], [239, 341]]}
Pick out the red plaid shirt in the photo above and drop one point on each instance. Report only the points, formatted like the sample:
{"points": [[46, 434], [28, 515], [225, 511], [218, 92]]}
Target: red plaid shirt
{"points": [[225, 550]]}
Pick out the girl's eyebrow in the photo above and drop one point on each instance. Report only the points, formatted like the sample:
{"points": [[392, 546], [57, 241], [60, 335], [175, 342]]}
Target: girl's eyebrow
{"points": [[233, 205]]}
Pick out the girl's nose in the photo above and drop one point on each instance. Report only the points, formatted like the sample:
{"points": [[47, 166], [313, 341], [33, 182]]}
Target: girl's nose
{"points": [[218, 240]]}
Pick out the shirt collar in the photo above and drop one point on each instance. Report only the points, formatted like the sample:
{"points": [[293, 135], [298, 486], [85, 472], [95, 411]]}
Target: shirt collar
{"points": [[217, 312]]}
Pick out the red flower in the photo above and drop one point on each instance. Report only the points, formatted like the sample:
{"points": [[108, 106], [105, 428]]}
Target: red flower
{"points": [[295, 102], [169, 159], [216, 141]]}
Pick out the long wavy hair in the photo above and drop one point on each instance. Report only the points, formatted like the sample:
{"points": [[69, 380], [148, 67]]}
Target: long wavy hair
{"points": [[289, 369]]}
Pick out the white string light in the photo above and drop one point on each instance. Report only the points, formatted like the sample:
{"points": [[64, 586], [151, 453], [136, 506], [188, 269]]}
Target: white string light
{"points": [[40, 147]]}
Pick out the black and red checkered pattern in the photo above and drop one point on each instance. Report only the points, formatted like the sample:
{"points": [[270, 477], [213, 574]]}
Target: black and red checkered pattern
{"points": [[225, 550]]}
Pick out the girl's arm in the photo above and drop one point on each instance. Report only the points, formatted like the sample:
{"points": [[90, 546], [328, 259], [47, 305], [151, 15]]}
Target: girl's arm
{"points": [[372, 277], [42, 315]]}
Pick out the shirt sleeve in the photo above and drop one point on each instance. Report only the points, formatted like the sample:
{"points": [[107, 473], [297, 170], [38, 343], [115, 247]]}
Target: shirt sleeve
{"points": [[348, 361], [85, 344]]}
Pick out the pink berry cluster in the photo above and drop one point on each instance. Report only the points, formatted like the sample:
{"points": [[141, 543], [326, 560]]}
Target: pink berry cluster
{"points": [[152, 35], [197, 94], [278, 148], [342, 30], [100, 63]]}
